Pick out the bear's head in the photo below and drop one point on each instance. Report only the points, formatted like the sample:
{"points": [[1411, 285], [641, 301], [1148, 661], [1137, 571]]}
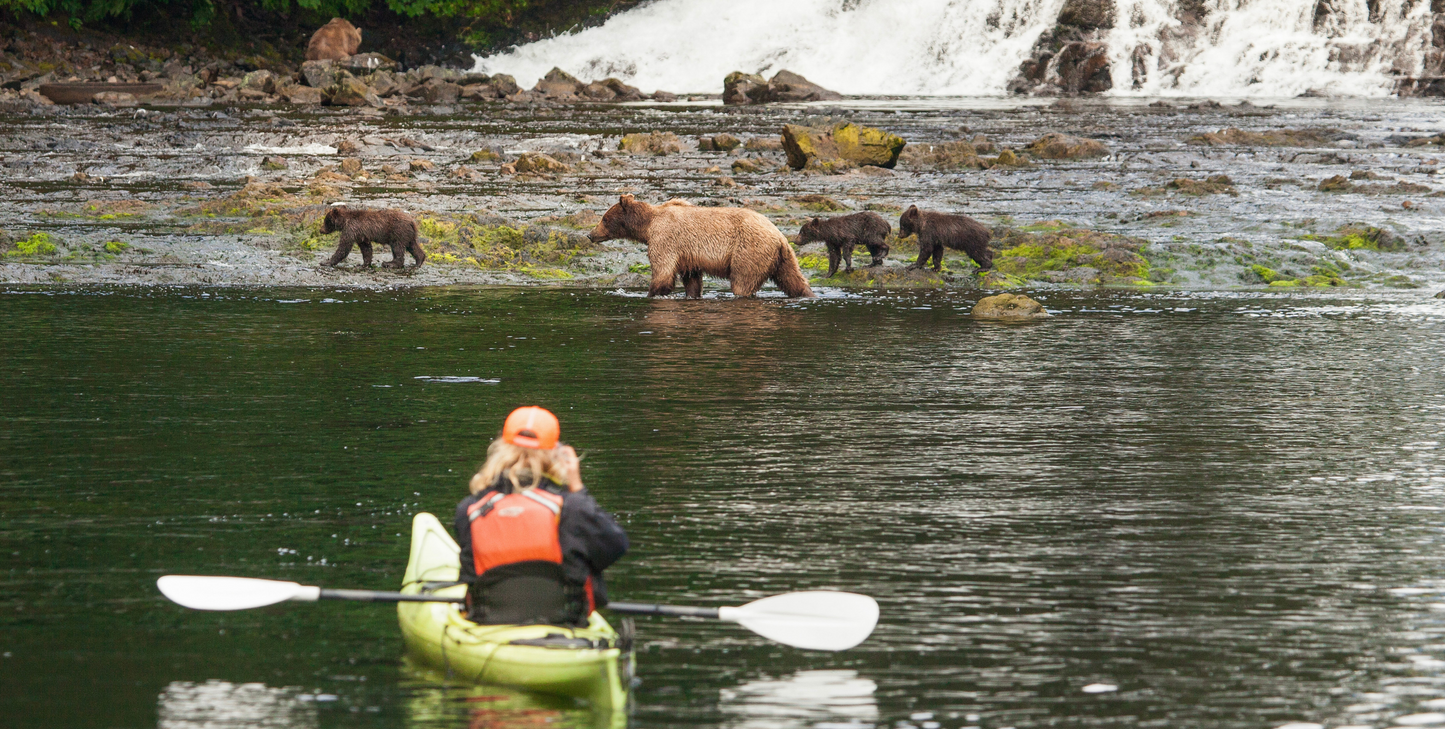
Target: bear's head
{"points": [[811, 231], [908, 223], [335, 220], [627, 219]]}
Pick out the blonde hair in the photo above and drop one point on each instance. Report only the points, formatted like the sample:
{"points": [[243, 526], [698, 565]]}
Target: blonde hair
{"points": [[516, 464]]}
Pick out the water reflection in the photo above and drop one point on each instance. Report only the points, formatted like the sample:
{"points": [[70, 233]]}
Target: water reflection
{"points": [[807, 698], [226, 705], [496, 707]]}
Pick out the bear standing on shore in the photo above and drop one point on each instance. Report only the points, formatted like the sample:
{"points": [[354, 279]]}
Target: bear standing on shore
{"points": [[939, 230], [361, 228], [840, 234], [338, 40], [684, 240]]}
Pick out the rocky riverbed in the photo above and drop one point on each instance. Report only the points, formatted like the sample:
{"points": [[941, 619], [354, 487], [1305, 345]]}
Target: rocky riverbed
{"points": [[1308, 192]]}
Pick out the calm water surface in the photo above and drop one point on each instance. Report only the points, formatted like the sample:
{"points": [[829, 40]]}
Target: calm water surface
{"points": [[1227, 507]]}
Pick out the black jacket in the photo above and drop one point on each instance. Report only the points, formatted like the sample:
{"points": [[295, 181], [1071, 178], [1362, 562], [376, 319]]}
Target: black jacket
{"points": [[591, 539]]}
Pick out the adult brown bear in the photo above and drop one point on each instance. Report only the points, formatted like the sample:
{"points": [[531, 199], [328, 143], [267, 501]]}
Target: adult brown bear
{"points": [[335, 41], [685, 240], [939, 230], [361, 228]]}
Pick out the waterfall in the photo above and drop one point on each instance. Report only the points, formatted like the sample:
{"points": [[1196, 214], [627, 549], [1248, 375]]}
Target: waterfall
{"points": [[1271, 48], [954, 47], [1258, 48]]}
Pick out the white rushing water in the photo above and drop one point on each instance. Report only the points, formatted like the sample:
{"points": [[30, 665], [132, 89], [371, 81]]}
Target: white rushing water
{"points": [[1260, 48]]}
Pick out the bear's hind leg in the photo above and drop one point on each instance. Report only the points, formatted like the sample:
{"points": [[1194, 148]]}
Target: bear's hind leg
{"points": [[398, 255], [848, 257], [416, 252], [833, 256]]}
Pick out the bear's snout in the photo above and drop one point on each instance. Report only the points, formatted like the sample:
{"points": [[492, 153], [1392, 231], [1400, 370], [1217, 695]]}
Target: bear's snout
{"points": [[600, 233]]}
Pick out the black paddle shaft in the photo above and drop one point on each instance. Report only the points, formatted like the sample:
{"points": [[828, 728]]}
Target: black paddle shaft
{"points": [[647, 608], [373, 596]]}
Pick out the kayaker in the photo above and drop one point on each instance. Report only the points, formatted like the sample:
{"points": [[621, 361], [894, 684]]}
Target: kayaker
{"points": [[534, 542]]}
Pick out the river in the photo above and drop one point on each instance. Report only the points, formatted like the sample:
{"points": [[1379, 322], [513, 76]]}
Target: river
{"points": [[1182, 509]]}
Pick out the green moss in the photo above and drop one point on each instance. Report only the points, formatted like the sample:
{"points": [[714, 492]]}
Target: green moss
{"points": [[39, 244], [643, 268], [116, 247], [813, 260], [535, 251], [1360, 237], [1061, 254]]}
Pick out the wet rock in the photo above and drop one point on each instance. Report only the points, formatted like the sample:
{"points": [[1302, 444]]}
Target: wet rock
{"points": [[1212, 185], [764, 144], [598, 92], [785, 86], [348, 146], [751, 165], [981, 145], [621, 91], [350, 167], [718, 143], [347, 91], [1338, 183], [263, 81], [1088, 14], [479, 92], [1007, 158], [665, 97], [820, 203], [1053, 252], [504, 85], [274, 163], [421, 165], [559, 84], [839, 147], [1063, 146], [1010, 307], [536, 162], [1272, 138], [114, 98], [739, 88], [1082, 68], [658, 143], [335, 41], [302, 95], [436, 91], [946, 156], [485, 155], [1440, 295], [319, 74]]}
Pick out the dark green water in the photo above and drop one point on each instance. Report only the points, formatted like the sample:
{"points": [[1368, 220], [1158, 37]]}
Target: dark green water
{"points": [[1228, 506]]}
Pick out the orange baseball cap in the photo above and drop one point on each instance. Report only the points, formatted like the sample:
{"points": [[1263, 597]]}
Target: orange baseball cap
{"points": [[532, 427]]}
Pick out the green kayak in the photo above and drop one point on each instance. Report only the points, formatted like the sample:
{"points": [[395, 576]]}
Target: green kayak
{"points": [[585, 663]]}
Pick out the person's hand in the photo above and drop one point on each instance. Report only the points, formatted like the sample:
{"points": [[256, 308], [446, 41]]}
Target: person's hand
{"points": [[568, 466]]}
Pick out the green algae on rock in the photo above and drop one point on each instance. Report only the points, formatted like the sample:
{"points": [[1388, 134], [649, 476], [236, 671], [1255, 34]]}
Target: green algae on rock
{"points": [[840, 147], [945, 156], [1358, 236], [1009, 307], [1272, 138], [655, 143], [1062, 254]]}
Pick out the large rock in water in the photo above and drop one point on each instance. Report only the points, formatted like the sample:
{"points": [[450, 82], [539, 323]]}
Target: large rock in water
{"points": [[1009, 307], [840, 147], [1063, 146], [559, 84], [749, 88]]}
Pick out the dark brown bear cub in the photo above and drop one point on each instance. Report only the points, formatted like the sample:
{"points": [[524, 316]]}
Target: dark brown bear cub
{"points": [[845, 231], [939, 230], [361, 228]]}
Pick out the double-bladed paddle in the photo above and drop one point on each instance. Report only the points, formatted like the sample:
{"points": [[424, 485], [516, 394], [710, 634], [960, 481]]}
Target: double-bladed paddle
{"points": [[816, 619]]}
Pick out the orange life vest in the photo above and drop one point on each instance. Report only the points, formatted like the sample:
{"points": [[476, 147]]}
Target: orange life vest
{"points": [[516, 527]]}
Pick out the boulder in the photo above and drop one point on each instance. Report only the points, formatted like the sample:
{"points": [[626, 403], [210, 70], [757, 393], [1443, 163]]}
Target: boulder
{"points": [[436, 91], [479, 92], [504, 85], [1440, 295], [1088, 14], [622, 91], [559, 84], [788, 86], [718, 143], [750, 165], [739, 88], [335, 41], [749, 88], [1009, 307], [536, 162], [348, 90], [598, 92], [851, 144], [263, 81], [302, 94], [946, 156], [1063, 146], [1338, 183], [319, 74], [665, 97], [1082, 67], [274, 163]]}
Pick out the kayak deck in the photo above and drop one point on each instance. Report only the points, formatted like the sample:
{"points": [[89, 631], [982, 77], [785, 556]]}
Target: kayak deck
{"points": [[587, 663]]}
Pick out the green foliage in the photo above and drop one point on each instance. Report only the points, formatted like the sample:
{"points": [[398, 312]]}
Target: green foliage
{"points": [[116, 246], [39, 244]]}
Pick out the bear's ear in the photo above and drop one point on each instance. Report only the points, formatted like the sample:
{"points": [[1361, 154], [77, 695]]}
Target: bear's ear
{"points": [[816, 219], [625, 199], [911, 208]]}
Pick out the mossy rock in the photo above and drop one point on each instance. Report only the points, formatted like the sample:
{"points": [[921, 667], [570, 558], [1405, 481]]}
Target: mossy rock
{"points": [[1069, 255], [1271, 138], [1212, 185], [945, 156], [538, 163], [1358, 236], [840, 146], [1009, 307], [820, 203], [656, 143]]}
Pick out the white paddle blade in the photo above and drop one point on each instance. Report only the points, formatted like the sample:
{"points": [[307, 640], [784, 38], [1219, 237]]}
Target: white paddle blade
{"points": [[817, 620], [230, 593]]}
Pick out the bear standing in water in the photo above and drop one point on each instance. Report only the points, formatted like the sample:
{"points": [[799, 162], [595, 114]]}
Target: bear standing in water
{"points": [[939, 230], [845, 231], [684, 240], [361, 228]]}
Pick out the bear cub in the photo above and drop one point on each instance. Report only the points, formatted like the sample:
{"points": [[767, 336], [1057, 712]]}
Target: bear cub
{"points": [[361, 228], [845, 231], [939, 230]]}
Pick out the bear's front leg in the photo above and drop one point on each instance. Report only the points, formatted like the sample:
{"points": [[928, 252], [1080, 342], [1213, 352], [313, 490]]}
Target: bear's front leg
{"points": [[365, 247], [343, 249]]}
